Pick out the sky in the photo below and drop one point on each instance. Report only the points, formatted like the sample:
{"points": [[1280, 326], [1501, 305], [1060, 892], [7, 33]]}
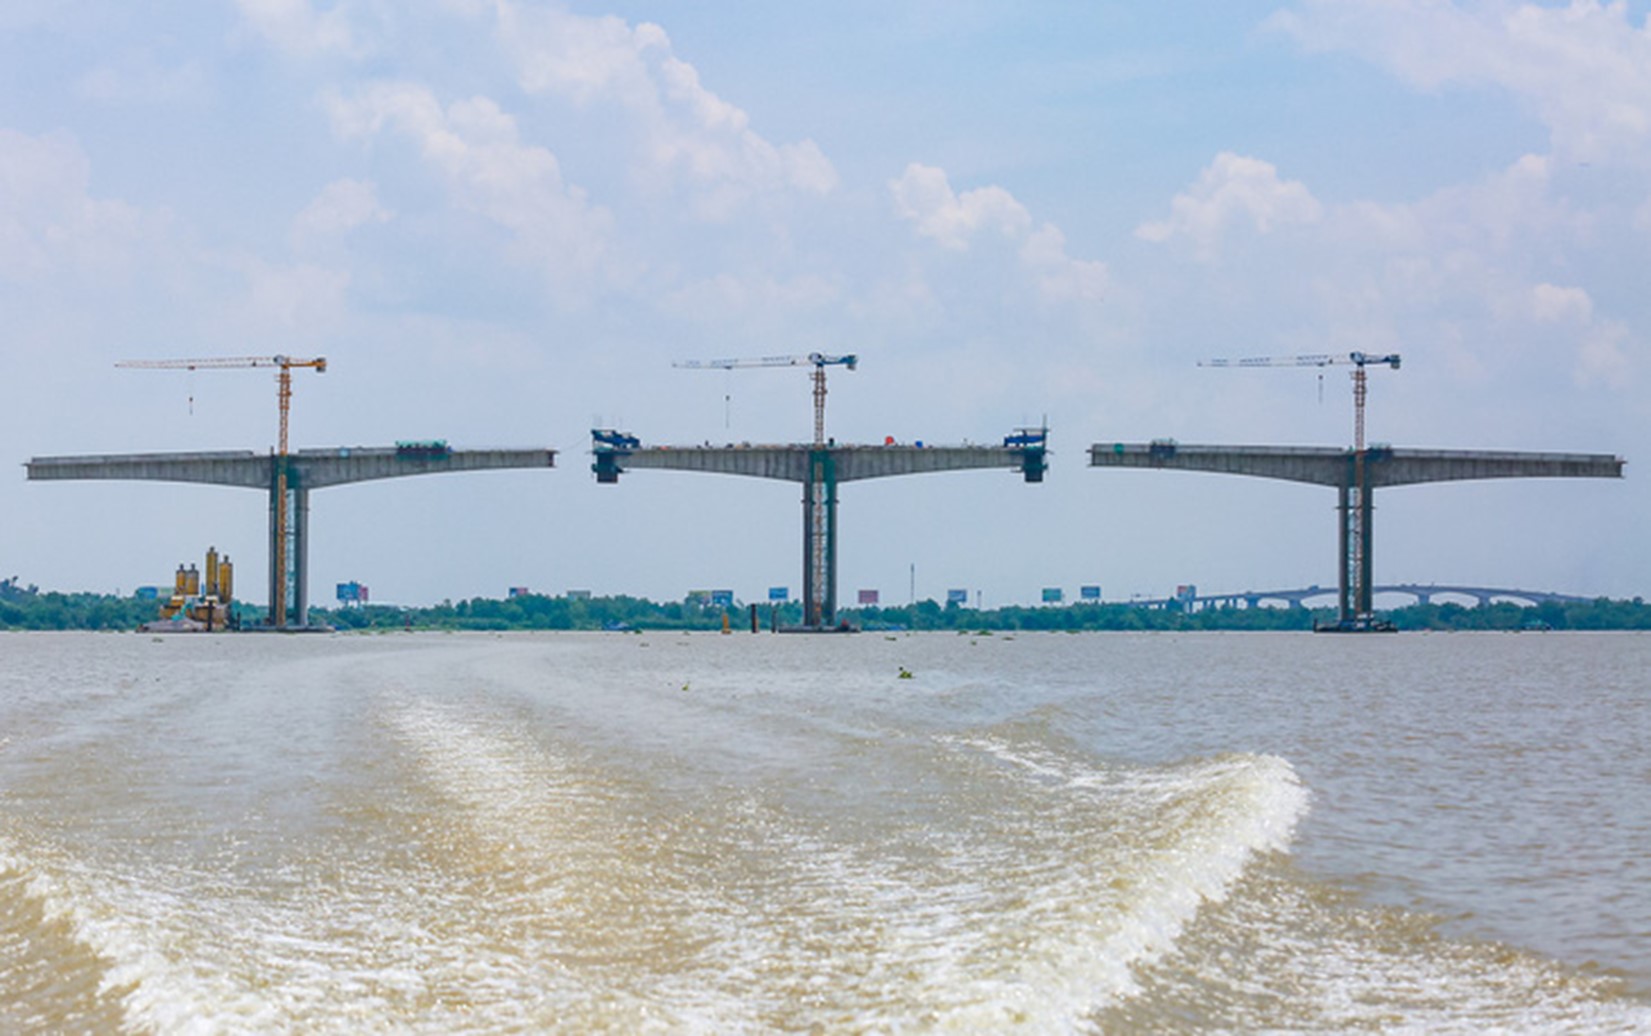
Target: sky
{"points": [[502, 221]]}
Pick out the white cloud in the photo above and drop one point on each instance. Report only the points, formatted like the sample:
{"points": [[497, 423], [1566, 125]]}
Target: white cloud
{"points": [[1059, 276], [341, 206], [1582, 68], [1471, 278], [1602, 357], [138, 78], [581, 58], [1232, 190], [767, 300], [685, 130], [923, 195], [1551, 303], [291, 298], [48, 219], [297, 28], [1504, 219], [489, 171], [1603, 347]]}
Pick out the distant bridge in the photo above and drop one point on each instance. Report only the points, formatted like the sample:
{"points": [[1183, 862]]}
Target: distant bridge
{"points": [[1423, 593]]}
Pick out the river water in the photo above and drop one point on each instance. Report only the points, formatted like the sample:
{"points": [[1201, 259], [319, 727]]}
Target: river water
{"points": [[670, 832]]}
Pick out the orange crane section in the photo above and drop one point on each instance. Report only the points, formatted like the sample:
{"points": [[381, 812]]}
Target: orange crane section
{"points": [[284, 379]]}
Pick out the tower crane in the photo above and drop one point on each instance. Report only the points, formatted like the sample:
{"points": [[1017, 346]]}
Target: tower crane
{"points": [[1357, 607], [820, 491], [819, 361], [282, 518], [1358, 360]]}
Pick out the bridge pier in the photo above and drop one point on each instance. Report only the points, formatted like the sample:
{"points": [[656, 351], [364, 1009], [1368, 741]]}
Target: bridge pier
{"points": [[1355, 602], [304, 471], [820, 541], [1355, 474], [820, 469], [290, 587]]}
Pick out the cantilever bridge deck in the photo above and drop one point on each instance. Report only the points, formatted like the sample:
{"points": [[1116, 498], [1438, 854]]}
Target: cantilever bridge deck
{"points": [[305, 470], [1332, 466], [790, 462], [313, 468], [1354, 474]]}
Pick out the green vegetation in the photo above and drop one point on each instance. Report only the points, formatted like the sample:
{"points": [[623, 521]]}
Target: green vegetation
{"points": [[534, 612], [29, 608]]}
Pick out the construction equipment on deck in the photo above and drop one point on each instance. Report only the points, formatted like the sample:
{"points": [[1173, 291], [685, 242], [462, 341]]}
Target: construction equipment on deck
{"points": [[281, 563]]}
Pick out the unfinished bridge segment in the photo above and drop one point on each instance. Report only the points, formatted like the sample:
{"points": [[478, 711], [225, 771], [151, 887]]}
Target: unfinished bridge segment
{"points": [[820, 469], [303, 471], [1354, 474]]}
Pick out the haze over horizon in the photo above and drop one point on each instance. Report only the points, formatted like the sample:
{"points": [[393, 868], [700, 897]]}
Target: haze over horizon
{"points": [[501, 221]]}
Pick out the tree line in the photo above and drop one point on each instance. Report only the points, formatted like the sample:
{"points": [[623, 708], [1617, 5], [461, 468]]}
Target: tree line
{"points": [[29, 608]]}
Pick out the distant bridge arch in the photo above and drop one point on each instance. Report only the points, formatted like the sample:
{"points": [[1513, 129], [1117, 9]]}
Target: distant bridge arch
{"points": [[1420, 593]]}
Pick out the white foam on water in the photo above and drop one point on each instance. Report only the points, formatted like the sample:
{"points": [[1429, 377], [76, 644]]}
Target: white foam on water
{"points": [[605, 929], [547, 888], [358, 954], [1283, 954], [1124, 860], [334, 939], [751, 916], [124, 922]]}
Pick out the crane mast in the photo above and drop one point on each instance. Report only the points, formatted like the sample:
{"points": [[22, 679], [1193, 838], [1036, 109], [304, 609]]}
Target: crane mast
{"points": [[282, 560], [1357, 607]]}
